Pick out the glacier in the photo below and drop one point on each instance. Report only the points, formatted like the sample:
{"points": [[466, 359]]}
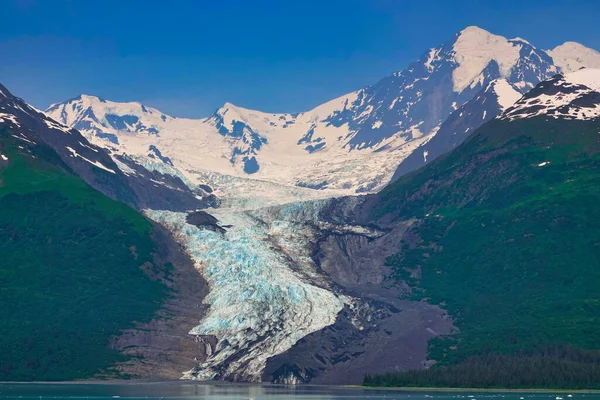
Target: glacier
{"points": [[259, 306], [266, 292]]}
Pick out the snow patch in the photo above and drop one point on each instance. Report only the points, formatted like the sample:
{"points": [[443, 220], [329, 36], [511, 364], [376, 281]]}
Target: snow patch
{"points": [[432, 57], [53, 125], [9, 117], [589, 77], [94, 163], [23, 139], [507, 95]]}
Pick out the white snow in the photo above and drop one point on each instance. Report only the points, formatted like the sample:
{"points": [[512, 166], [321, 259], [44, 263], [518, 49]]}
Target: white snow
{"points": [[518, 39], [572, 56], [432, 57], [89, 147], [198, 149], [97, 164], [589, 77], [23, 139], [507, 95], [9, 117], [474, 49], [53, 125]]}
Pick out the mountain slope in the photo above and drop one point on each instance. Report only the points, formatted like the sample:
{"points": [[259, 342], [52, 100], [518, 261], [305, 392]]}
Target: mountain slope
{"points": [[351, 144], [574, 96], [120, 179], [508, 222], [486, 105], [77, 266]]}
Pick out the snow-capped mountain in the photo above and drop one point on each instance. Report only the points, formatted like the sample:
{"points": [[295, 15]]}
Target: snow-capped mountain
{"points": [[97, 117], [351, 144], [415, 101], [498, 95], [572, 56], [571, 96], [132, 184]]}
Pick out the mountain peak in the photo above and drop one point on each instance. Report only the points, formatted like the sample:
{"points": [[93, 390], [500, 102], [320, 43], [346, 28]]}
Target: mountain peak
{"points": [[237, 109], [474, 49], [473, 30], [4, 91], [572, 56], [90, 97], [229, 106]]}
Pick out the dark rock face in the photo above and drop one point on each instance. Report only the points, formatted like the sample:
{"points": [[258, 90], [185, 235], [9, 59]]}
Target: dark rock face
{"points": [[390, 337], [202, 219], [381, 333], [154, 152], [250, 142]]}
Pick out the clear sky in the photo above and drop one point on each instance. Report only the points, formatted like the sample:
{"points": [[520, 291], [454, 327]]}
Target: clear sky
{"points": [[187, 58]]}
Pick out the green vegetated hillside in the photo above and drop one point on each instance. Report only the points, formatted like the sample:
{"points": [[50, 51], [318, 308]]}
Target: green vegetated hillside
{"points": [[509, 244], [72, 273]]}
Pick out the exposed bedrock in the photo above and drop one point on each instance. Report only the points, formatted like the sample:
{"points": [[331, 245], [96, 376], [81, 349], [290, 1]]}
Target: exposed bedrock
{"points": [[383, 333]]}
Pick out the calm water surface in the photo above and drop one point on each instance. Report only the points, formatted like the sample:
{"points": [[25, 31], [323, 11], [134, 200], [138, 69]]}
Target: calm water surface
{"points": [[184, 390]]}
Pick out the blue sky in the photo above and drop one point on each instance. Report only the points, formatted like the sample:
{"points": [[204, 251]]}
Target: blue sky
{"points": [[189, 57]]}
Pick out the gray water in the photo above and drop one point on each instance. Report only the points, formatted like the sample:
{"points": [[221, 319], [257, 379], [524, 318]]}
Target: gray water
{"points": [[186, 390]]}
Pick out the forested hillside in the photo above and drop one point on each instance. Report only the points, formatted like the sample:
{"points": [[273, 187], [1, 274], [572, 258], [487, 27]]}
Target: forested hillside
{"points": [[508, 242], [77, 268]]}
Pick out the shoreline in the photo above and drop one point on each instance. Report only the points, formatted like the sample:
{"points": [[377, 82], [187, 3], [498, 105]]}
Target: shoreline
{"points": [[496, 390], [223, 383]]}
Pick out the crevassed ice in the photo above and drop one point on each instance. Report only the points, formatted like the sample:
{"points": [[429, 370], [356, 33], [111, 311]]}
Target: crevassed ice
{"points": [[259, 306]]}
